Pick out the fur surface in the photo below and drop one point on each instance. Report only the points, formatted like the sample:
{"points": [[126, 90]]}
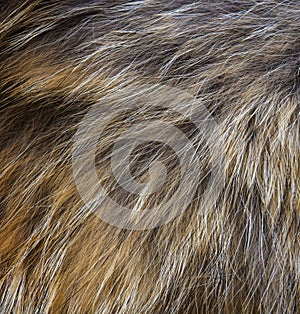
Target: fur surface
{"points": [[241, 59]]}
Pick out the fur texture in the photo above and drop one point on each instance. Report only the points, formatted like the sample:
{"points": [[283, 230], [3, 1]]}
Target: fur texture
{"points": [[241, 252]]}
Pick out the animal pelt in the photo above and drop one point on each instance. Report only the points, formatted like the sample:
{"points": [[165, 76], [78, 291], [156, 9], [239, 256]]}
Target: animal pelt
{"points": [[238, 251]]}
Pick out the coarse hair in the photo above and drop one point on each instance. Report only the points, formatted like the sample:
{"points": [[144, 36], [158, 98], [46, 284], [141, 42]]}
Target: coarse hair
{"points": [[153, 66]]}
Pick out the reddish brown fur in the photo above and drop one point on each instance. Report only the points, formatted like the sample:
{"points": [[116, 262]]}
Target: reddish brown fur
{"points": [[241, 253]]}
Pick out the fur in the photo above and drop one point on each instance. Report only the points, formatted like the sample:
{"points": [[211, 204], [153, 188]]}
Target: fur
{"points": [[241, 60]]}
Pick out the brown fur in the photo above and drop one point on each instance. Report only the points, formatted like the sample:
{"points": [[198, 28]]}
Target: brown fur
{"points": [[240, 253]]}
